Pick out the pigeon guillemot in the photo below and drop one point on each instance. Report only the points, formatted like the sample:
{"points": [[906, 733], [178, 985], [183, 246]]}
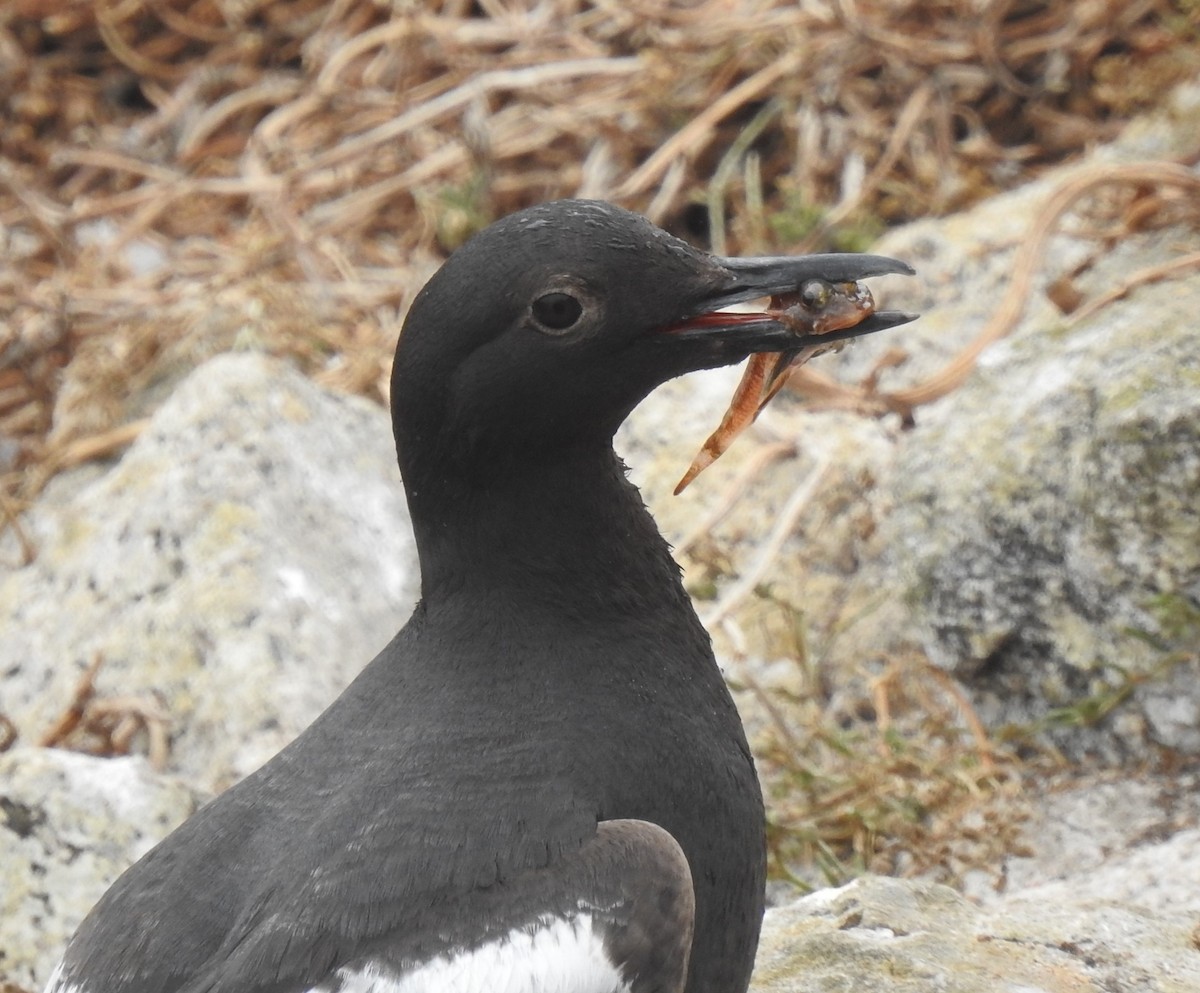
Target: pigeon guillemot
{"points": [[541, 783]]}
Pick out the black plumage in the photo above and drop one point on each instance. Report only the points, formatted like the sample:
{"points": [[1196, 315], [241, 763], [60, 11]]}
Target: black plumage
{"points": [[553, 678]]}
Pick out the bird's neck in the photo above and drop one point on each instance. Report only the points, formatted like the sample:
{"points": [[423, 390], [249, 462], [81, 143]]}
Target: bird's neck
{"points": [[565, 535]]}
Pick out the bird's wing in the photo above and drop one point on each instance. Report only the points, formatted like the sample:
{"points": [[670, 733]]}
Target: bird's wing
{"points": [[333, 844], [615, 916]]}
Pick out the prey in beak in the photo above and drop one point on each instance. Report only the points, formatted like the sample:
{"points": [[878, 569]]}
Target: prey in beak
{"points": [[823, 307]]}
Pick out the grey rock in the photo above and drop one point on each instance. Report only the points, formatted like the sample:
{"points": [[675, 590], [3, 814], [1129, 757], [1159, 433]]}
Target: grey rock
{"points": [[1160, 879], [69, 825], [1045, 524], [878, 934], [240, 564], [749, 497], [1132, 839], [1038, 531]]}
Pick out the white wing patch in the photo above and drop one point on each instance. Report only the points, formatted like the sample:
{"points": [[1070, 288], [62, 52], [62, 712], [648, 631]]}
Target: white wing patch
{"points": [[558, 956]]}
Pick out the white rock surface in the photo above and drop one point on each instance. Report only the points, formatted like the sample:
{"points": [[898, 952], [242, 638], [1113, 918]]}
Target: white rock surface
{"points": [[1133, 839], [69, 825], [241, 563], [878, 935], [1055, 554]]}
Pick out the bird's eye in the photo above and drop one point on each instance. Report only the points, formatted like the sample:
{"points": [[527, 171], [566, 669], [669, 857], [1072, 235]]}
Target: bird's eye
{"points": [[557, 311], [815, 294]]}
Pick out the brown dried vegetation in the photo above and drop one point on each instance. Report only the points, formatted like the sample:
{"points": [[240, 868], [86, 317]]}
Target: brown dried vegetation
{"points": [[181, 176], [908, 784]]}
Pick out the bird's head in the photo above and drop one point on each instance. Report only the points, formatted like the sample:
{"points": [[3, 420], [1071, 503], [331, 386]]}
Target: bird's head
{"points": [[547, 328]]}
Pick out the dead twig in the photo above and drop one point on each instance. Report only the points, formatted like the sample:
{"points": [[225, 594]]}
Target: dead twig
{"points": [[780, 532], [8, 733], [1026, 266], [1151, 274], [96, 446], [108, 726], [757, 461], [69, 720], [13, 520]]}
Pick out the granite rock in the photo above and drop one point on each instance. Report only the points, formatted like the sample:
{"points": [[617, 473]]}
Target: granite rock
{"points": [[238, 566], [69, 825], [908, 936]]}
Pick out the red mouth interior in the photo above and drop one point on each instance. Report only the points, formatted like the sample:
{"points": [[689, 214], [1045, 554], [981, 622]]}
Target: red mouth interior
{"points": [[716, 318]]}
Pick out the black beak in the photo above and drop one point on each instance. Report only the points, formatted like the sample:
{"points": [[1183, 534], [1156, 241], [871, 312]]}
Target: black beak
{"points": [[745, 279], [756, 277]]}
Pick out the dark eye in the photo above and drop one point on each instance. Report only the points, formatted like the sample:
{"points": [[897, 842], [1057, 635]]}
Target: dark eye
{"points": [[815, 294], [557, 311]]}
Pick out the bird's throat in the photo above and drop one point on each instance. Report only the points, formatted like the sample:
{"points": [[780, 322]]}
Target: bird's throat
{"points": [[568, 535]]}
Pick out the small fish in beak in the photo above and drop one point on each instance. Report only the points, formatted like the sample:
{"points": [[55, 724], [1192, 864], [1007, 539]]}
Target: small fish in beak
{"points": [[818, 308]]}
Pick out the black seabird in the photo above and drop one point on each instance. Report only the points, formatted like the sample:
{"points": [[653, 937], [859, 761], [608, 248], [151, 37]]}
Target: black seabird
{"points": [[541, 783]]}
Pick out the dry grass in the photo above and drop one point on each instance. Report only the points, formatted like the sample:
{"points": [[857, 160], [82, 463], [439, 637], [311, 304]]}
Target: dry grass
{"points": [[180, 177], [889, 772]]}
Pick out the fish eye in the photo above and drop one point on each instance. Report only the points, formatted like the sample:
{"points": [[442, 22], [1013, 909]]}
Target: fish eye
{"points": [[557, 311], [815, 294]]}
